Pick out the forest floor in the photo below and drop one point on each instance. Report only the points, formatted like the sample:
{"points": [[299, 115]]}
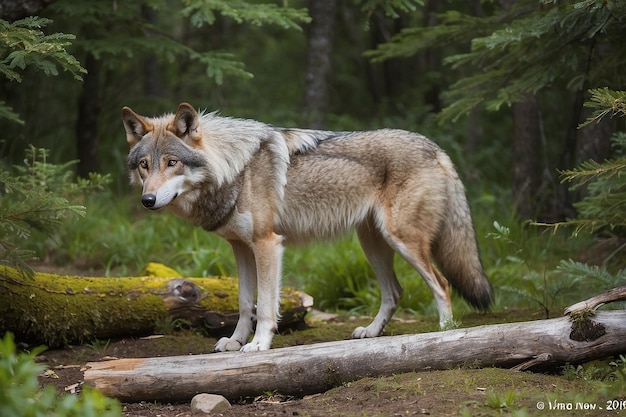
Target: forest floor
{"points": [[460, 391]]}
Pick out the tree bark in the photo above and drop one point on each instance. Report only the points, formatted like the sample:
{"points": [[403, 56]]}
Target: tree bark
{"points": [[581, 336], [87, 122], [56, 310], [153, 85], [318, 65], [527, 151]]}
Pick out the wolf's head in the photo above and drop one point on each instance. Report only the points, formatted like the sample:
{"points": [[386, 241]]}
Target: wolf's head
{"points": [[165, 156]]}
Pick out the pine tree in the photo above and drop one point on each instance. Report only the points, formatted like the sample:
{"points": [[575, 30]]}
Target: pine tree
{"points": [[35, 199], [604, 206]]}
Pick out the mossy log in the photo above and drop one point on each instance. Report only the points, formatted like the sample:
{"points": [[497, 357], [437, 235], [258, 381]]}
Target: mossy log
{"points": [[56, 310], [307, 369]]}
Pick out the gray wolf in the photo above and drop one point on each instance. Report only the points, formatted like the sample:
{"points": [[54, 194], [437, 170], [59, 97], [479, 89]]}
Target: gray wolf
{"points": [[262, 187]]}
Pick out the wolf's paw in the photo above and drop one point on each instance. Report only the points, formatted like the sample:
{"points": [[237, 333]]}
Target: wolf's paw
{"points": [[255, 346], [365, 332], [226, 344]]}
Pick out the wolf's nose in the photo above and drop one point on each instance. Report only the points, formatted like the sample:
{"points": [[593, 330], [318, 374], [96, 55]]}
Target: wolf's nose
{"points": [[148, 200]]}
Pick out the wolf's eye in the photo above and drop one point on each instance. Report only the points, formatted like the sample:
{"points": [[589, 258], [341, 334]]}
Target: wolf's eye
{"points": [[143, 164], [171, 162]]}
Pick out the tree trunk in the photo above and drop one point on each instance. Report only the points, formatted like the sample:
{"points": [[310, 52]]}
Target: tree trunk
{"points": [[87, 122], [153, 86], [56, 310], [318, 65], [431, 58], [300, 370], [527, 151]]}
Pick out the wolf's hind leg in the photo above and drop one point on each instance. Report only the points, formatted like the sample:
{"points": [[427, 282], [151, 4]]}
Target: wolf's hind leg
{"points": [[246, 268], [380, 257], [417, 254]]}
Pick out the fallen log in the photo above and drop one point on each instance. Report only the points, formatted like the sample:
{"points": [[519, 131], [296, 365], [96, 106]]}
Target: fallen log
{"points": [[302, 370], [57, 310]]}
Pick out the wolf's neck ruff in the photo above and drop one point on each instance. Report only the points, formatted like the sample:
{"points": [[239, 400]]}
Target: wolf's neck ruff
{"points": [[212, 209]]}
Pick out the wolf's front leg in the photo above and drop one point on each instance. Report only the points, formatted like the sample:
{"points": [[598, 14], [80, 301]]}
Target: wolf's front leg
{"points": [[246, 268], [268, 253]]}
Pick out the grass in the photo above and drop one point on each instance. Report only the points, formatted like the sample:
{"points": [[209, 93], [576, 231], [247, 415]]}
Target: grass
{"points": [[470, 392]]}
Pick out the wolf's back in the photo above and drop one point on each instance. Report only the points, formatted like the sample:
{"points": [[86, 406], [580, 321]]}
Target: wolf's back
{"points": [[455, 250]]}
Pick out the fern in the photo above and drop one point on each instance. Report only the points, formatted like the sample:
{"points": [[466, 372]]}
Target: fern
{"points": [[580, 271]]}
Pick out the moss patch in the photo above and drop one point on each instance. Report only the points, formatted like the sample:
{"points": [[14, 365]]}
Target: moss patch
{"points": [[57, 310]]}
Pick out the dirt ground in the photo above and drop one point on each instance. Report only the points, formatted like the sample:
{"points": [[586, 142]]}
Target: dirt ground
{"points": [[466, 392]]}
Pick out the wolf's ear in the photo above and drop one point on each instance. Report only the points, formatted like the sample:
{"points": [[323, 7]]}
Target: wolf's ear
{"points": [[135, 125], [186, 124]]}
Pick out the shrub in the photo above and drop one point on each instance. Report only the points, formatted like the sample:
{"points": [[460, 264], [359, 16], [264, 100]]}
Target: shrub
{"points": [[20, 395]]}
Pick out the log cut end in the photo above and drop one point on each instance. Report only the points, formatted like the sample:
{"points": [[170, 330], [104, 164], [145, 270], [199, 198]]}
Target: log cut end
{"points": [[110, 376]]}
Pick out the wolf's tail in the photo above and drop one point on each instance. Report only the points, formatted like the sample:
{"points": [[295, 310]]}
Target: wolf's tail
{"points": [[455, 250]]}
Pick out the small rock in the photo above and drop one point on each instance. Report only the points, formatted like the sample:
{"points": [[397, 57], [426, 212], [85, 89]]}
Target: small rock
{"points": [[208, 403]]}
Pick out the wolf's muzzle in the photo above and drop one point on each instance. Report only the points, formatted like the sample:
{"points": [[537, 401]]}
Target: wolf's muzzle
{"points": [[148, 200]]}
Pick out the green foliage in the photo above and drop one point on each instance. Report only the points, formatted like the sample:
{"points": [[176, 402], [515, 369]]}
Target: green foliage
{"points": [[123, 32], [23, 44], [604, 205], [506, 400], [391, 8], [20, 395], [204, 11], [522, 50], [36, 198], [606, 103], [6, 112], [611, 373], [454, 28], [519, 56], [577, 272], [541, 287]]}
